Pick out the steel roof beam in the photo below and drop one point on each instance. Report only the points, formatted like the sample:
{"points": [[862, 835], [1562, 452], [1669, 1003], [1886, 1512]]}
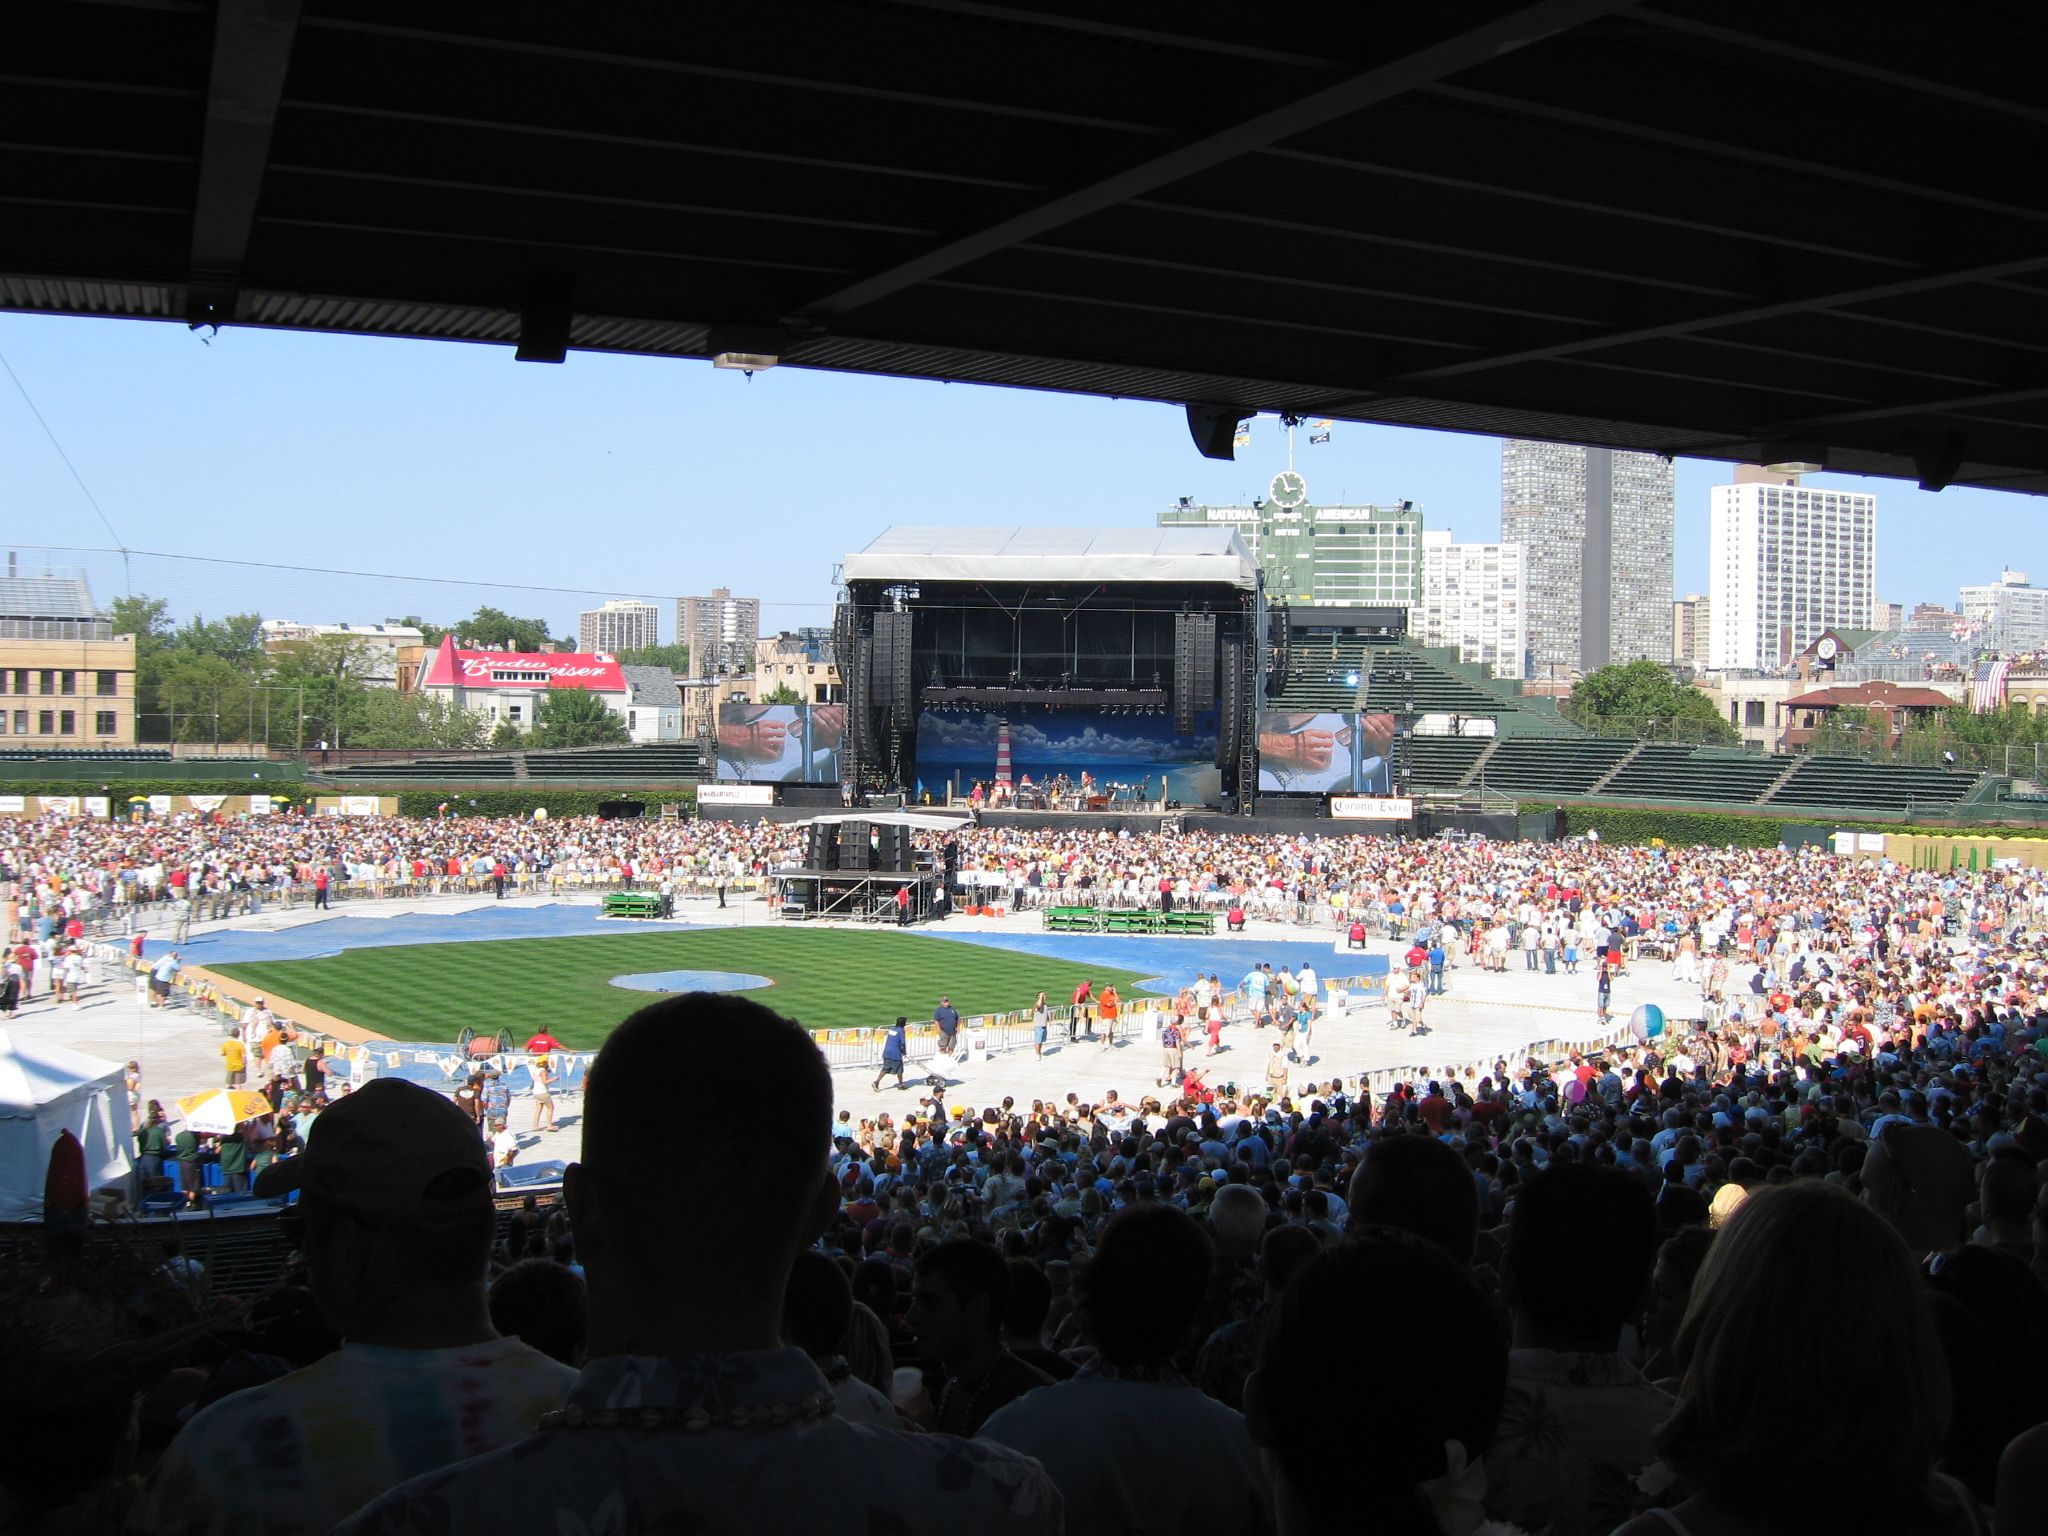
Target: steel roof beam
{"points": [[1383, 82], [252, 49]]}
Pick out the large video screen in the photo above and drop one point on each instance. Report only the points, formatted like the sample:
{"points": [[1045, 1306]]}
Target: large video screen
{"points": [[1334, 752], [1137, 757], [780, 743]]}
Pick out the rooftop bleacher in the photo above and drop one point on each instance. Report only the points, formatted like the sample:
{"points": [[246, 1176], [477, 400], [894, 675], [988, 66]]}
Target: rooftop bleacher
{"points": [[1442, 762]]}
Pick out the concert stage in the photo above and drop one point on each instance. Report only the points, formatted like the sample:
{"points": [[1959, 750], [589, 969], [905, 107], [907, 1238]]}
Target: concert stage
{"points": [[1099, 665]]}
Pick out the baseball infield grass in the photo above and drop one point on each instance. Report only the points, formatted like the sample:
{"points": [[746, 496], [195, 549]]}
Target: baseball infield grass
{"points": [[825, 979]]}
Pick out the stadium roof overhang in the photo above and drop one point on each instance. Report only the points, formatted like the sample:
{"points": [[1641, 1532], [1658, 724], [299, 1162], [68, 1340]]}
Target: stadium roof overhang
{"points": [[1737, 229]]}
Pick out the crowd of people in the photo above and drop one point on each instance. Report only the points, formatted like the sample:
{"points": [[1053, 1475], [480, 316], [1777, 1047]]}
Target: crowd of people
{"points": [[1778, 1268]]}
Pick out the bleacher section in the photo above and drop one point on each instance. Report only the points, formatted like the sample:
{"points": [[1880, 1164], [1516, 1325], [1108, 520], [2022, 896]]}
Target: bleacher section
{"points": [[88, 755], [662, 763], [1847, 781], [1441, 762], [668, 762], [492, 767], [1667, 771], [1540, 765], [1431, 688], [1318, 673]]}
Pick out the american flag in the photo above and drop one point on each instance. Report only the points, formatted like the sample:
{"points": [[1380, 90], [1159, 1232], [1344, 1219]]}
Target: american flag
{"points": [[1987, 688]]}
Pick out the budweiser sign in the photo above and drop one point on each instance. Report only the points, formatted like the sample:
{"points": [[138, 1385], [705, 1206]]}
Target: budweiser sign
{"points": [[451, 668]]}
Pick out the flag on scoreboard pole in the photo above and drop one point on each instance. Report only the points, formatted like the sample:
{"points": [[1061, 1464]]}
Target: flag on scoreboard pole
{"points": [[1319, 437]]}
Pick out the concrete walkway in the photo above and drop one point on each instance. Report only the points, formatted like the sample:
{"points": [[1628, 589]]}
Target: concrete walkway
{"points": [[1482, 1017]]}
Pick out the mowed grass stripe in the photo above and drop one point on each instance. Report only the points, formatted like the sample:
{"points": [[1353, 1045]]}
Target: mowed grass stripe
{"points": [[825, 979]]}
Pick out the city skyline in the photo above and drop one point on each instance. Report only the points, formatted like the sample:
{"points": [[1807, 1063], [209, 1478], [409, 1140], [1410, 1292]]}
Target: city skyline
{"points": [[623, 477]]}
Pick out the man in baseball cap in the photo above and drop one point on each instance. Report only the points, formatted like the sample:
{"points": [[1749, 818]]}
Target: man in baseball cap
{"points": [[397, 1224]]}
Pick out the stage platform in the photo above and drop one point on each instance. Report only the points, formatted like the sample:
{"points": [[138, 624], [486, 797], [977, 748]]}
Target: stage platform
{"points": [[864, 895]]}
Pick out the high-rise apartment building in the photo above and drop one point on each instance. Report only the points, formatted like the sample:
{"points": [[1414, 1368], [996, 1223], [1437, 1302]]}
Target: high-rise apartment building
{"points": [[1322, 556], [1884, 615], [1788, 562], [1474, 600], [1690, 618], [619, 626], [1598, 528], [2014, 611], [720, 631]]}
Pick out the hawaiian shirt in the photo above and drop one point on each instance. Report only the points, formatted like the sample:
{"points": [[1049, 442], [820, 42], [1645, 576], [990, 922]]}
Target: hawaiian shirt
{"points": [[810, 1473], [1575, 1433]]}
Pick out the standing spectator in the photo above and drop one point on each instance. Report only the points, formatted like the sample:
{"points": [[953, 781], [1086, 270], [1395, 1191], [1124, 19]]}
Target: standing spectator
{"points": [[161, 975], [190, 1156], [542, 1070], [496, 1098], [234, 1058], [234, 1160], [947, 1018], [1171, 1045], [1276, 1071], [1107, 1008], [1577, 1425], [152, 1145], [894, 1049], [690, 1410], [1041, 1025], [321, 879], [1121, 1439], [1077, 1010], [398, 1224], [956, 1311]]}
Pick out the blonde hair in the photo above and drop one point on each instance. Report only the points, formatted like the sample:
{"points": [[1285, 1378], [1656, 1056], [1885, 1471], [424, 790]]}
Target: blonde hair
{"points": [[1870, 1379]]}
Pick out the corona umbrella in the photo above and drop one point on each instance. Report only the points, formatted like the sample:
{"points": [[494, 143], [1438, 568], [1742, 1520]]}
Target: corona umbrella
{"points": [[219, 1112]]}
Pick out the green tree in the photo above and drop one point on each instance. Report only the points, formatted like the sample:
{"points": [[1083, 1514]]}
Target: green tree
{"points": [[392, 720], [1850, 732], [147, 618], [492, 629], [782, 694], [1639, 698], [203, 698], [676, 658], [575, 717], [507, 737], [236, 639]]}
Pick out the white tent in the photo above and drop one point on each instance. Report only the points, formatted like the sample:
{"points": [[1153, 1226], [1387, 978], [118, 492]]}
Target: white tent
{"points": [[45, 1089]]}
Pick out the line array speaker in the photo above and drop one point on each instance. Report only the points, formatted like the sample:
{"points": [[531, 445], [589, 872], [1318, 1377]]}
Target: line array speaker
{"points": [[1230, 724], [1194, 668], [890, 688], [895, 849], [855, 852], [823, 850]]}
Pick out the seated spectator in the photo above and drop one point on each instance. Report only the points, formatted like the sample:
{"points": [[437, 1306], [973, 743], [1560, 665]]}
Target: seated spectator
{"points": [[2006, 1191], [1228, 1354], [1919, 1179], [1130, 1444], [690, 1410], [1411, 1459], [1420, 1185], [395, 1195], [1577, 1424], [956, 1311], [817, 1310], [545, 1304], [1883, 1412], [1024, 1316]]}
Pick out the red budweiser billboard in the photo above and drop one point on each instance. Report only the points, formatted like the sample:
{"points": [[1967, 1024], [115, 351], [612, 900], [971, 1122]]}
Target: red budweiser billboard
{"points": [[516, 669]]}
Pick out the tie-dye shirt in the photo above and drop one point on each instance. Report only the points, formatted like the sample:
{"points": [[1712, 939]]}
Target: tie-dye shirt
{"points": [[306, 1451], [811, 1474]]}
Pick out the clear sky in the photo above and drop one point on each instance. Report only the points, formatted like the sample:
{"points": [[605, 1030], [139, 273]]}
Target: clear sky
{"points": [[659, 477]]}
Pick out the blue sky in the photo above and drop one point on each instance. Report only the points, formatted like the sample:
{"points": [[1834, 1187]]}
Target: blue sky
{"points": [[663, 477]]}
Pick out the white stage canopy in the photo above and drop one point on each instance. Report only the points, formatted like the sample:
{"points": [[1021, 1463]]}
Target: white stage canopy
{"points": [[1187, 556]]}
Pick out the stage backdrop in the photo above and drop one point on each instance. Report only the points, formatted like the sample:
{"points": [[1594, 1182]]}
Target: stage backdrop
{"points": [[1333, 752], [1115, 749], [780, 743]]}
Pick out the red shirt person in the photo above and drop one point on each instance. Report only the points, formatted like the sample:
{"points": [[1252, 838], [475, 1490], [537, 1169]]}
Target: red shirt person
{"points": [[544, 1044]]}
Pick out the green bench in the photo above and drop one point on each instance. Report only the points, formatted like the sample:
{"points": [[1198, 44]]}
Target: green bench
{"points": [[1191, 922], [1130, 922], [1070, 920], [631, 904]]}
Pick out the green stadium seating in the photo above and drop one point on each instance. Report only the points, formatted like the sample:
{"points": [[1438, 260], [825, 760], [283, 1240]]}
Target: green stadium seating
{"points": [[1848, 781]]}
